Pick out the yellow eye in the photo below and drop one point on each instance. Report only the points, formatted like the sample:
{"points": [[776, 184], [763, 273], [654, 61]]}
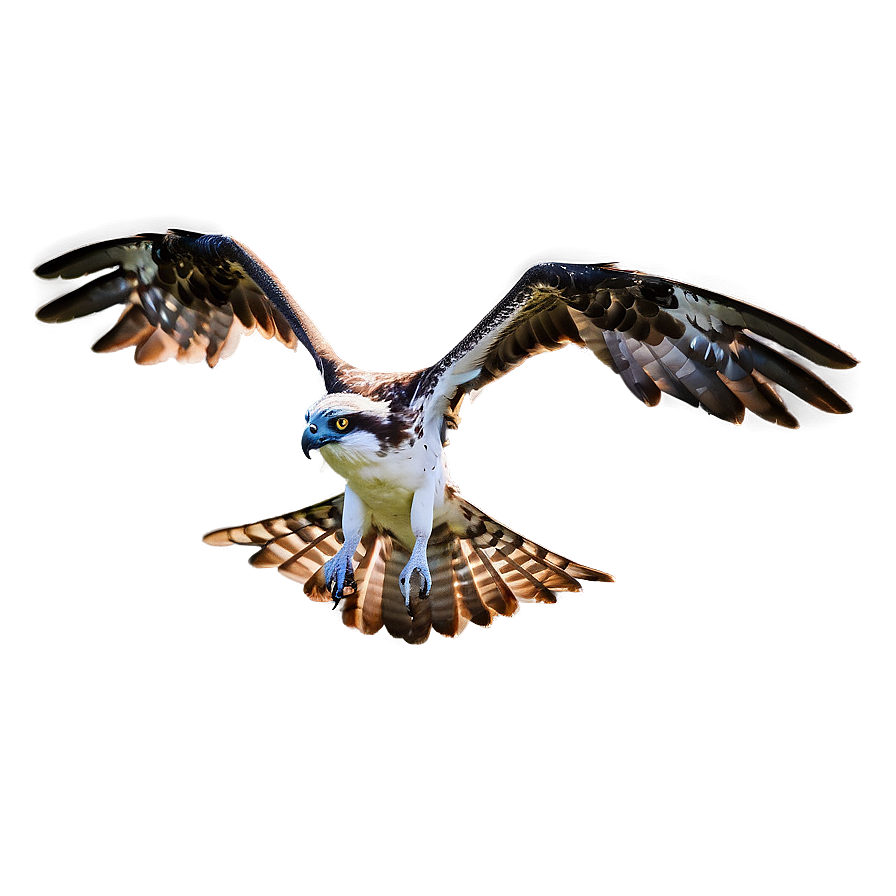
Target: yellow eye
{"points": [[342, 424]]}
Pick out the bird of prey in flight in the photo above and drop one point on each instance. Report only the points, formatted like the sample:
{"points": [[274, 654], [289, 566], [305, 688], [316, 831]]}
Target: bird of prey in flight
{"points": [[401, 548]]}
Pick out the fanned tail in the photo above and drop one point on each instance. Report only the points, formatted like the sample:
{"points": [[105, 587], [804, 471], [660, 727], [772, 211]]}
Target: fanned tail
{"points": [[479, 568]]}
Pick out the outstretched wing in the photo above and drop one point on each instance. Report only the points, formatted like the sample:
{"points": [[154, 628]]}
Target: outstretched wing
{"points": [[186, 295], [659, 335]]}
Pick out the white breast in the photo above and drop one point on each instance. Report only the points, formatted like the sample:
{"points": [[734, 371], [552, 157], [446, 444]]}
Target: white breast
{"points": [[387, 484]]}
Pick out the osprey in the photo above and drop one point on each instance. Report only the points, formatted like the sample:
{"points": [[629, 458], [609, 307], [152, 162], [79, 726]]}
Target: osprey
{"points": [[427, 558]]}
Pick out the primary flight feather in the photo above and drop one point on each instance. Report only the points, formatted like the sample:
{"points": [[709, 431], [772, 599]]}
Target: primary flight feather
{"points": [[400, 547]]}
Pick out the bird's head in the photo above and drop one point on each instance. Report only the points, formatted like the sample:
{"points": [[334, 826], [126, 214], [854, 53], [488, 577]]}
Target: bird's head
{"points": [[349, 429]]}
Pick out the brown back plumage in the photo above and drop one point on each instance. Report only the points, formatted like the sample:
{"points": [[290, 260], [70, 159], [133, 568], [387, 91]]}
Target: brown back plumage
{"points": [[480, 569]]}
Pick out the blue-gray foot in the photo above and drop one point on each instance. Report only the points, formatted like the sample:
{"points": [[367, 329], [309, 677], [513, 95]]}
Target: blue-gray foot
{"points": [[339, 575], [417, 564]]}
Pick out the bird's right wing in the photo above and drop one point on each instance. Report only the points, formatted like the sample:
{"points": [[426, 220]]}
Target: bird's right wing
{"points": [[186, 295]]}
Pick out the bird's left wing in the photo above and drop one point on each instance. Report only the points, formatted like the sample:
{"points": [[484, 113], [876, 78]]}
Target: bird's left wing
{"points": [[186, 295], [659, 335]]}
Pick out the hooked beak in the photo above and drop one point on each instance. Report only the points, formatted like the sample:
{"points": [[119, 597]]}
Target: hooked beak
{"points": [[312, 439]]}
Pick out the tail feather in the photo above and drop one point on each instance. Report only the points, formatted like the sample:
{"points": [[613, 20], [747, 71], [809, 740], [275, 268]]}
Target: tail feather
{"points": [[311, 558], [522, 581], [470, 602], [372, 586], [479, 568], [494, 590], [289, 548], [363, 609], [446, 616], [395, 617], [421, 618]]}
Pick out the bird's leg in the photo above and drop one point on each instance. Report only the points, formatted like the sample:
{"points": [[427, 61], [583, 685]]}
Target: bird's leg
{"points": [[339, 573], [421, 526]]}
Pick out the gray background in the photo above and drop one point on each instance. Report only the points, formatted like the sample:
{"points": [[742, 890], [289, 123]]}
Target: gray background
{"points": [[718, 721]]}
